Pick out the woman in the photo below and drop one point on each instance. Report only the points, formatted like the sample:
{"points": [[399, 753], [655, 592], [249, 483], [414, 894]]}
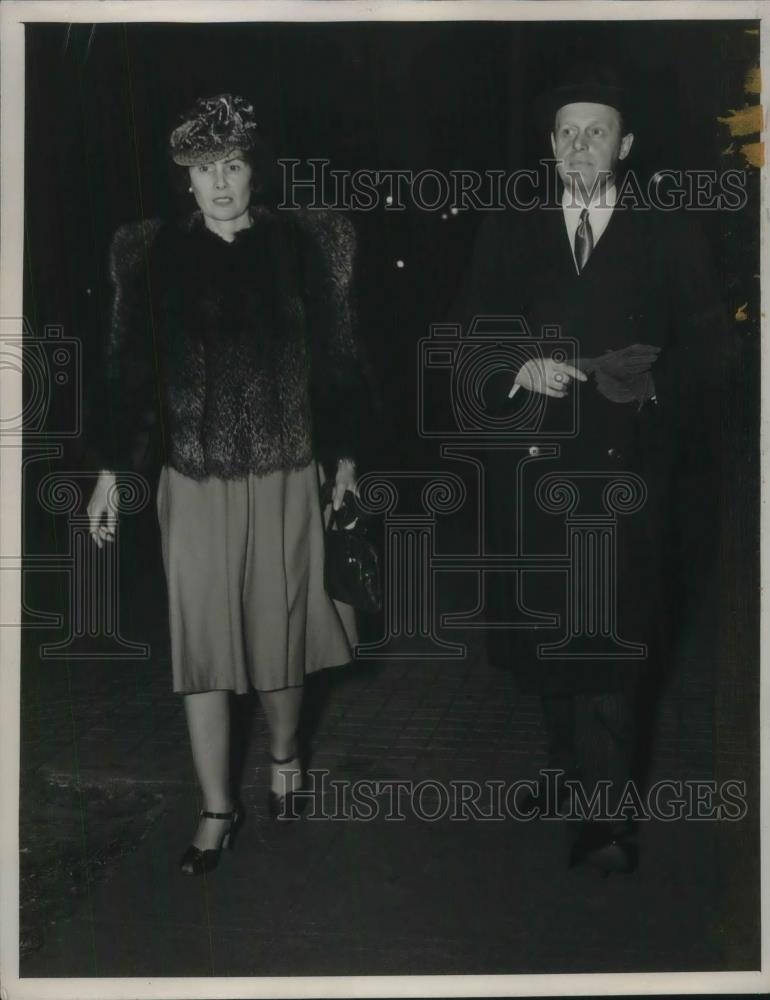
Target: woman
{"points": [[235, 329]]}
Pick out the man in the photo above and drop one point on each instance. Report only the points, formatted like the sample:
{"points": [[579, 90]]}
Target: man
{"points": [[633, 290]]}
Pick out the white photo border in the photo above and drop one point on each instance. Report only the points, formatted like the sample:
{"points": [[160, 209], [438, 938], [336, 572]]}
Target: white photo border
{"points": [[13, 15]]}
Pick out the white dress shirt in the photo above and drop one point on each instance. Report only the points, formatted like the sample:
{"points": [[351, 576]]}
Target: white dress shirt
{"points": [[599, 213]]}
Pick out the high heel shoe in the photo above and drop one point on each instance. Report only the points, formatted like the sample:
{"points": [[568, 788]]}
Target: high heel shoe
{"points": [[195, 861], [288, 806]]}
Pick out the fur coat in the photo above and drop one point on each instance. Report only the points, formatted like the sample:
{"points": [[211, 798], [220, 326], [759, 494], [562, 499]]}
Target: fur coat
{"points": [[240, 355]]}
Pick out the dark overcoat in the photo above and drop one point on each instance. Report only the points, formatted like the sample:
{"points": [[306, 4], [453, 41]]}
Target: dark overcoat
{"points": [[649, 282]]}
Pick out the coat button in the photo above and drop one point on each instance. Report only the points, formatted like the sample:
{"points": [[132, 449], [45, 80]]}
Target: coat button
{"points": [[534, 451]]}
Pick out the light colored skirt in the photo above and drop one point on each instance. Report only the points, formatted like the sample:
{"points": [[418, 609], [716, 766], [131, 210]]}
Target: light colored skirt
{"points": [[244, 566]]}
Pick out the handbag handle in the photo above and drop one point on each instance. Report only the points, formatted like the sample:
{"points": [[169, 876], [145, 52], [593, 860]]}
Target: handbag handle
{"points": [[347, 514]]}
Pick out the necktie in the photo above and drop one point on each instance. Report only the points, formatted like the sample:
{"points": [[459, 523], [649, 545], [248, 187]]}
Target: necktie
{"points": [[584, 240]]}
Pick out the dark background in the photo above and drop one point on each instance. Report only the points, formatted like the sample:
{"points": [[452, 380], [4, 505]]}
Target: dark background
{"points": [[100, 104]]}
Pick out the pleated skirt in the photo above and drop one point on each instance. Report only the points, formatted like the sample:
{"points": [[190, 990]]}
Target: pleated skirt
{"points": [[244, 568]]}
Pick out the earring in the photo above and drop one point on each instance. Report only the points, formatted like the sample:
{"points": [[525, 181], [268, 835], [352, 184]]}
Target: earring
{"points": [[190, 190]]}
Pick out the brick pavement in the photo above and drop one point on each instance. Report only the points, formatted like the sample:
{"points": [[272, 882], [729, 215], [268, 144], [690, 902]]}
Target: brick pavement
{"points": [[345, 897], [89, 722]]}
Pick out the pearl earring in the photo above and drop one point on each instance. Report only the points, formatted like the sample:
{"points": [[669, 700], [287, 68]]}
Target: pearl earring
{"points": [[190, 190]]}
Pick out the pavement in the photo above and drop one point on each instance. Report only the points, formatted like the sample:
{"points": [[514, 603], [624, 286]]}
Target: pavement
{"points": [[107, 780]]}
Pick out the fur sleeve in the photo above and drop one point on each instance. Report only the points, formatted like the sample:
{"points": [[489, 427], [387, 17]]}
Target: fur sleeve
{"points": [[343, 394], [125, 400]]}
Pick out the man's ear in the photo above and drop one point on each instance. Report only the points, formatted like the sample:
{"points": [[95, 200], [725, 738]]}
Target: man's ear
{"points": [[625, 145], [553, 143]]}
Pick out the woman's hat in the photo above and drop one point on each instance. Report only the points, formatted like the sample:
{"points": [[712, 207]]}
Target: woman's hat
{"points": [[213, 127]]}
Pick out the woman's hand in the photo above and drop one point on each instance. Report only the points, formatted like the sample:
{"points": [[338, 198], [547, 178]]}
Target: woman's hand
{"points": [[552, 378], [344, 480], [102, 514]]}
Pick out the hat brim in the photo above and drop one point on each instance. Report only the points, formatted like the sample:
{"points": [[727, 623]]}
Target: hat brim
{"points": [[575, 93], [194, 158]]}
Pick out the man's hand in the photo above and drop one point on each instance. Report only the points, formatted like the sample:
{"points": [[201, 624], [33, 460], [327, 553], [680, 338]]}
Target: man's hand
{"points": [[552, 378], [344, 480]]}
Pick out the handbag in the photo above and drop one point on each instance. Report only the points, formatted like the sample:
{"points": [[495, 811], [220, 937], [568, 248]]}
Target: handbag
{"points": [[351, 563]]}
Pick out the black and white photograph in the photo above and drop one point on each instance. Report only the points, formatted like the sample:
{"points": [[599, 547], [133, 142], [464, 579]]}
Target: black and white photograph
{"points": [[381, 396]]}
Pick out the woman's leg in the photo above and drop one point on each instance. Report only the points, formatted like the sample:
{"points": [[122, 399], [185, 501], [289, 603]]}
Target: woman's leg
{"points": [[208, 722], [282, 710]]}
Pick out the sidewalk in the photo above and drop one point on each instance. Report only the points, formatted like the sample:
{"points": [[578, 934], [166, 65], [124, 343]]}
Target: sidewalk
{"points": [[325, 897]]}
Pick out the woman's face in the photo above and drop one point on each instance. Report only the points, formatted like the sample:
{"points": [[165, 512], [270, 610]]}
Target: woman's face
{"points": [[223, 188]]}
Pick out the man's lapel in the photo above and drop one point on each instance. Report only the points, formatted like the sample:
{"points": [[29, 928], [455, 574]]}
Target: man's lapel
{"points": [[557, 245]]}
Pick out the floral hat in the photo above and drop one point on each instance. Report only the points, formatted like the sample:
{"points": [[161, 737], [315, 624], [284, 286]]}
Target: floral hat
{"points": [[213, 127]]}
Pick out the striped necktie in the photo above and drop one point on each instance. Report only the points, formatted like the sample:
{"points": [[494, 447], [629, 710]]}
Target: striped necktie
{"points": [[584, 241]]}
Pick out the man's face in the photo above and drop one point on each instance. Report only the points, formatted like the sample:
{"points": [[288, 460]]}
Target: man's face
{"points": [[587, 142]]}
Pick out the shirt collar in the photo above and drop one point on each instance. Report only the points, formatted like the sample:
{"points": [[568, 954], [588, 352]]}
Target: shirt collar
{"points": [[602, 199]]}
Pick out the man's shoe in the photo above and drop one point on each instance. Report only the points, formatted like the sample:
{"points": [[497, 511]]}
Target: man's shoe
{"points": [[611, 852]]}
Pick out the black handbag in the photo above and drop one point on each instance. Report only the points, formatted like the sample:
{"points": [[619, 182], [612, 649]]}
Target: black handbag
{"points": [[352, 563]]}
